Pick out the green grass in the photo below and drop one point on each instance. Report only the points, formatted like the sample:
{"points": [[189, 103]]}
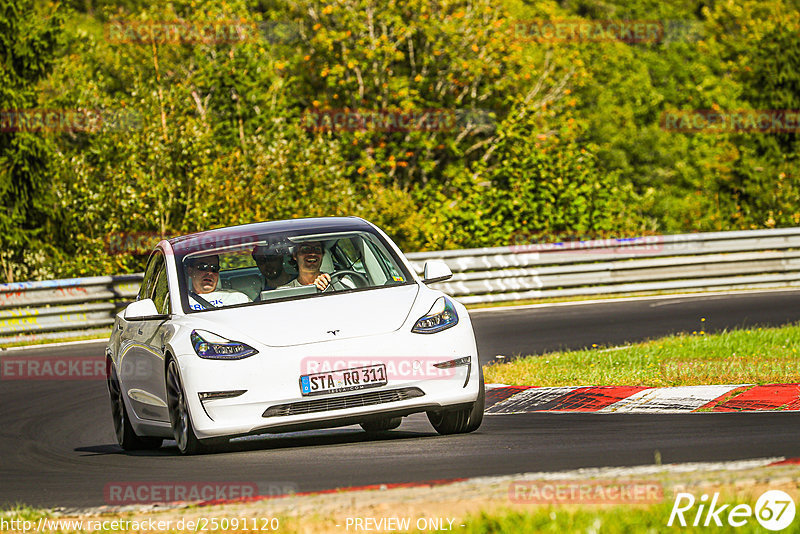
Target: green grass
{"points": [[752, 356], [22, 511], [601, 520], [18, 513], [33, 342], [524, 518]]}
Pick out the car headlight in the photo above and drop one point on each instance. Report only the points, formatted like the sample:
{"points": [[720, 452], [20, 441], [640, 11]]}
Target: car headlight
{"points": [[214, 347], [441, 316]]}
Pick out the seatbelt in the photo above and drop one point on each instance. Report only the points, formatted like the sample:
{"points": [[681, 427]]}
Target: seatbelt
{"points": [[200, 300]]}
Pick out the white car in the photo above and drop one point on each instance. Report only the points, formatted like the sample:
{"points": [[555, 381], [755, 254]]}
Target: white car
{"points": [[288, 325]]}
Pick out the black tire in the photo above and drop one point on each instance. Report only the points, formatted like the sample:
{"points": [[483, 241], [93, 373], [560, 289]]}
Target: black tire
{"points": [[126, 437], [382, 425], [179, 417], [464, 420]]}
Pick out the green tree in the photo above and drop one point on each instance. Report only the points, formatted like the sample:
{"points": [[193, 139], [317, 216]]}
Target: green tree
{"points": [[759, 44], [29, 38]]}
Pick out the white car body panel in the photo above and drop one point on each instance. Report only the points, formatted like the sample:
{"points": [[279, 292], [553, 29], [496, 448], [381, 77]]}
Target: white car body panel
{"points": [[365, 325]]}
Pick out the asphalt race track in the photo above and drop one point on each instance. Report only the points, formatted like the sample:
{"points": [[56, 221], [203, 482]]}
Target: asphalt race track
{"points": [[570, 326], [57, 446]]}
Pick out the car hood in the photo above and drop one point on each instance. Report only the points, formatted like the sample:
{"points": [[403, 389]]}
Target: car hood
{"points": [[312, 320]]}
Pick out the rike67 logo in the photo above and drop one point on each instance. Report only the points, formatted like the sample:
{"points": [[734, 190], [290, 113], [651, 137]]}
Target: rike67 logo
{"points": [[774, 510]]}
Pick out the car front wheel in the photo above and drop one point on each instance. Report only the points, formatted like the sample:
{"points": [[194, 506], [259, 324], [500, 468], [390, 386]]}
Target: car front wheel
{"points": [[126, 437], [464, 420], [179, 418]]}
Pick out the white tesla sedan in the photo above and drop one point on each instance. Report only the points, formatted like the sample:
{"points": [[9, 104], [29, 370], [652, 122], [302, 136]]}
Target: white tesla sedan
{"points": [[284, 326]]}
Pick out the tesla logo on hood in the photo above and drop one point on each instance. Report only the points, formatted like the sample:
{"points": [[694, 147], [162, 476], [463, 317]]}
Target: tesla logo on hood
{"points": [[334, 332]]}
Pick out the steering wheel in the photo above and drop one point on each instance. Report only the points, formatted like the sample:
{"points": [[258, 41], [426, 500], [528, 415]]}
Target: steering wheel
{"points": [[362, 281]]}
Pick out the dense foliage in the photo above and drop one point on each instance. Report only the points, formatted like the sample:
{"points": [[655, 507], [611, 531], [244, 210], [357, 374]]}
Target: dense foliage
{"points": [[28, 39], [452, 123]]}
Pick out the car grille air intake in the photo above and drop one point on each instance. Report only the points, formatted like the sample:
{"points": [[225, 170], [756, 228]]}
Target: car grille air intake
{"points": [[343, 403]]}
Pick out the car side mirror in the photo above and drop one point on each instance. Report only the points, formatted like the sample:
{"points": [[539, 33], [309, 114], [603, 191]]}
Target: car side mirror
{"points": [[436, 271], [142, 310]]}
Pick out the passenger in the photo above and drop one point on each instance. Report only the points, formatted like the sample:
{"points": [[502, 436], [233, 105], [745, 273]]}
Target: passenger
{"points": [[309, 262], [270, 262], [204, 277]]}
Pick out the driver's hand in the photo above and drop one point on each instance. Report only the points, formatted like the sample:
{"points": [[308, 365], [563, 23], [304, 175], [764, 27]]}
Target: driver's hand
{"points": [[323, 281]]}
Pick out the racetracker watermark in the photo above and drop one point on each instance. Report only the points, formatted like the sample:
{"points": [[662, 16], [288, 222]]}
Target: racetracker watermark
{"points": [[774, 510], [69, 120], [384, 120], [53, 368], [192, 32], [133, 243], [597, 31], [752, 367], [585, 492], [524, 242], [124, 493], [141, 243], [764, 121], [395, 368], [148, 524], [68, 368], [578, 30]]}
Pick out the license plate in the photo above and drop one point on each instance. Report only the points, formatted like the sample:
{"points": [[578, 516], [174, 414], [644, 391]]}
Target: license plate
{"points": [[343, 380]]}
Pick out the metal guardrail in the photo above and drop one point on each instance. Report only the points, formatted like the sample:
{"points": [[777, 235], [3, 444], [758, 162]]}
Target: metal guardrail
{"points": [[54, 309], [695, 262]]}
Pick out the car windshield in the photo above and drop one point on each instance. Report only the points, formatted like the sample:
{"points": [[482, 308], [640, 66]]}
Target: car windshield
{"points": [[281, 266]]}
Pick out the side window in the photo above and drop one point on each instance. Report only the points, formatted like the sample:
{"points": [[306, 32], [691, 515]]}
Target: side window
{"points": [[348, 251], [161, 291], [387, 266], [155, 264]]}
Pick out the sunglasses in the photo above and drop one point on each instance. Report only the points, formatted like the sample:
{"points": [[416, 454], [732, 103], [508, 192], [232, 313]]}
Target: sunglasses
{"points": [[206, 267], [308, 249]]}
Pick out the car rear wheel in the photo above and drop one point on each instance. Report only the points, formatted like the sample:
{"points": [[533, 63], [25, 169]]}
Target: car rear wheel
{"points": [[179, 418], [464, 420], [382, 425], [126, 437]]}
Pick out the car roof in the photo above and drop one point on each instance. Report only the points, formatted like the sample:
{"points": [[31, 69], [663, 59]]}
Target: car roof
{"points": [[245, 233]]}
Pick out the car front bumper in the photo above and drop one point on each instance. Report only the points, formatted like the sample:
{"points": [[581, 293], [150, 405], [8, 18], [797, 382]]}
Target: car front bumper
{"points": [[267, 386]]}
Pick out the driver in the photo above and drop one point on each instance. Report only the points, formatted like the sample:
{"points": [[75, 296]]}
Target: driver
{"points": [[204, 276], [308, 256]]}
